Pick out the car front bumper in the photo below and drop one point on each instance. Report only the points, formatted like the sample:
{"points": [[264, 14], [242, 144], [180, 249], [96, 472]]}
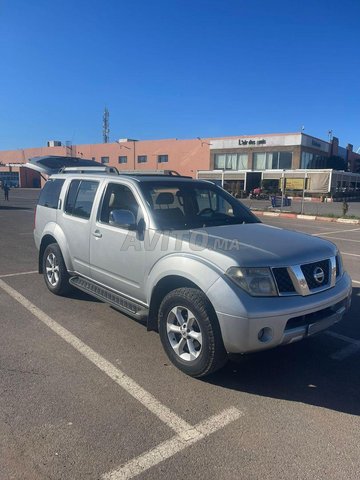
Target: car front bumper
{"points": [[250, 324]]}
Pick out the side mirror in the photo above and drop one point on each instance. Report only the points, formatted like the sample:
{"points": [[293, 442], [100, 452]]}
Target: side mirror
{"points": [[123, 219]]}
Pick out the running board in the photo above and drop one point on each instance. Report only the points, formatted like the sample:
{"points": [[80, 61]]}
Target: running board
{"points": [[108, 296]]}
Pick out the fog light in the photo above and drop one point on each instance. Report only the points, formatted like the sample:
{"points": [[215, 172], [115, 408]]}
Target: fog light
{"points": [[265, 334]]}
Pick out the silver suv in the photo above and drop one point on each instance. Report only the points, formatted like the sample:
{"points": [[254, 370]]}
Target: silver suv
{"points": [[190, 259]]}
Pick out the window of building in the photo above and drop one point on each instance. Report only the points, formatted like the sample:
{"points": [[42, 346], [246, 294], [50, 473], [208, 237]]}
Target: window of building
{"points": [[284, 161], [306, 159], [272, 160], [105, 159], [260, 162], [142, 159], [311, 160], [9, 178], [49, 196], [122, 159], [163, 158], [243, 161], [80, 198], [231, 161]]}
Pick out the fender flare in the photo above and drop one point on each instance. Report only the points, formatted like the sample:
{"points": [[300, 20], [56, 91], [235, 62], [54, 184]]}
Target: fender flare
{"points": [[53, 230]]}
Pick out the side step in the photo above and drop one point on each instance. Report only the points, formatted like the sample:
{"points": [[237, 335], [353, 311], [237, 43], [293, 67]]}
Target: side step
{"points": [[108, 296]]}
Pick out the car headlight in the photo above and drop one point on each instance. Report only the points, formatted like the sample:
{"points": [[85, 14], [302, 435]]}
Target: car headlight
{"points": [[258, 282]]}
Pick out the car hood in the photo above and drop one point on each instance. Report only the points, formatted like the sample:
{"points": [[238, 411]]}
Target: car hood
{"points": [[258, 245]]}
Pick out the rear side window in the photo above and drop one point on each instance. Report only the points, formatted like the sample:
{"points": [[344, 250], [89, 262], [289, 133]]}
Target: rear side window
{"points": [[49, 196], [80, 198]]}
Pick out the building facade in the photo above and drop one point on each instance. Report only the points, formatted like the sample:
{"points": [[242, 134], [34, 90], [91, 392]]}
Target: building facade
{"points": [[239, 162], [295, 161]]}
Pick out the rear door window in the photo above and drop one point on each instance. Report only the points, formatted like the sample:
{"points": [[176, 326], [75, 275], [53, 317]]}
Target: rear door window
{"points": [[80, 198], [49, 196]]}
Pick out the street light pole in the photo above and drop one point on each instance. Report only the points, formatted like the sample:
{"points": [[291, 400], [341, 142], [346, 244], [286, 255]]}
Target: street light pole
{"points": [[134, 154], [303, 195]]}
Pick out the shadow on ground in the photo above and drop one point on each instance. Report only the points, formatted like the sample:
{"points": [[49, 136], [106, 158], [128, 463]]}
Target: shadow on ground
{"points": [[303, 372], [9, 207], [77, 294]]}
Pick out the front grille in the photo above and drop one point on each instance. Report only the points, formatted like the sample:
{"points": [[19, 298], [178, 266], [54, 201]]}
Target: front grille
{"points": [[283, 280], [316, 274], [309, 270]]}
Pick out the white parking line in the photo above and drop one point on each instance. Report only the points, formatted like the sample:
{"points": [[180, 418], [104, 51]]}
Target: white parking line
{"points": [[352, 254], [335, 231], [344, 338], [355, 281], [169, 448], [345, 239], [342, 353], [20, 273], [186, 433], [345, 352]]}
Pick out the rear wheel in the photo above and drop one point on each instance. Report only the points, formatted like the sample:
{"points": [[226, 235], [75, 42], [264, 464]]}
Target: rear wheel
{"points": [[190, 333], [55, 273]]}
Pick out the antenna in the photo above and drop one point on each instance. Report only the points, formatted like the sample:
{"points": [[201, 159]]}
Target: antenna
{"points": [[106, 126]]}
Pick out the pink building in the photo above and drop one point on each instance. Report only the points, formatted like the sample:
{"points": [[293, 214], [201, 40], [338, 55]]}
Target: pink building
{"points": [[184, 156], [264, 154]]}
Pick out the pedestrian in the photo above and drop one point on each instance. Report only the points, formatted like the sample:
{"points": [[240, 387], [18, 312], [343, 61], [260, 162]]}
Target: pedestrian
{"points": [[6, 191], [345, 208]]}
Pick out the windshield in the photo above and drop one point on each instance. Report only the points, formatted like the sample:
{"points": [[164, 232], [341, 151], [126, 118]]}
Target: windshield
{"points": [[184, 205]]}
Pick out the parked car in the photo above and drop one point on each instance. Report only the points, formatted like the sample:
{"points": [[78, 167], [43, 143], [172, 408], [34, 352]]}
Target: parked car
{"points": [[189, 258]]}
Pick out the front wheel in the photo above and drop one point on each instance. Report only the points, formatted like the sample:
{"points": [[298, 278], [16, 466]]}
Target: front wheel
{"points": [[55, 273], [190, 333]]}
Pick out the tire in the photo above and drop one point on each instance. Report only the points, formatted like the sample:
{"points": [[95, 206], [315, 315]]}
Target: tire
{"points": [[190, 332], [54, 269]]}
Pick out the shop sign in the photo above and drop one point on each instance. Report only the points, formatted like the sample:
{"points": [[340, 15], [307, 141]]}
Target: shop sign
{"points": [[252, 142], [293, 183]]}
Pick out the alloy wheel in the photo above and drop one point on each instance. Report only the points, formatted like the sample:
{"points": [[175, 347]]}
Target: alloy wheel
{"points": [[184, 333], [52, 269]]}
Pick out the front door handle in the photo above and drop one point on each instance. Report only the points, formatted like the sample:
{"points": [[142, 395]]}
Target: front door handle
{"points": [[97, 234]]}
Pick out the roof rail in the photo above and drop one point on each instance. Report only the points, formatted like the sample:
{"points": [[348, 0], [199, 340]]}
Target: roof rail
{"points": [[171, 173], [96, 169]]}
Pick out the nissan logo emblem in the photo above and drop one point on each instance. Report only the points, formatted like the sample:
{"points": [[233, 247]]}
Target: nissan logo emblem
{"points": [[319, 275]]}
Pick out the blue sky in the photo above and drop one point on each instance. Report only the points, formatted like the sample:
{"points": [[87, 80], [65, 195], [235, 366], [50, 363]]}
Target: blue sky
{"points": [[177, 68]]}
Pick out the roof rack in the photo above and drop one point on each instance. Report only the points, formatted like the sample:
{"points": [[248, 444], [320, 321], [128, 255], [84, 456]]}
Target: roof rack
{"points": [[114, 171], [96, 169], [172, 173]]}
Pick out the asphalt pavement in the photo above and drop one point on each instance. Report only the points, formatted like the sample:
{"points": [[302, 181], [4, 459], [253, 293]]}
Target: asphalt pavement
{"points": [[87, 393]]}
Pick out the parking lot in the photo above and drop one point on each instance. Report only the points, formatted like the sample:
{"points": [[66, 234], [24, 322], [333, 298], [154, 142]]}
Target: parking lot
{"points": [[87, 393]]}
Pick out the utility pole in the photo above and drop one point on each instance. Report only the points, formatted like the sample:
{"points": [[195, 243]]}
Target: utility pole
{"points": [[106, 126], [303, 192]]}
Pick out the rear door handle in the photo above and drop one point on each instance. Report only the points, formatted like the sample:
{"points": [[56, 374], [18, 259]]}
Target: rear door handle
{"points": [[97, 234]]}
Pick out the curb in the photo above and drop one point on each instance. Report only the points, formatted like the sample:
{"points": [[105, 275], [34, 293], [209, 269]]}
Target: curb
{"points": [[351, 221]]}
